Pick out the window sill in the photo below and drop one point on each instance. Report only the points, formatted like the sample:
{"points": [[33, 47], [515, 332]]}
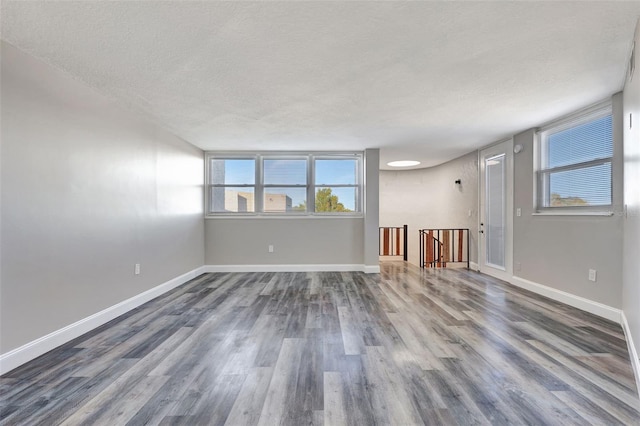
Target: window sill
{"points": [[287, 217], [572, 213]]}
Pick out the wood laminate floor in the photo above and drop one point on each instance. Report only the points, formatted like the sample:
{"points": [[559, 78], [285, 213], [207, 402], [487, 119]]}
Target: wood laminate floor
{"points": [[405, 347]]}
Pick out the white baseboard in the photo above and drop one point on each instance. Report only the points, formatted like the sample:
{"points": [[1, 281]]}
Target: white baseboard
{"points": [[474, 266], [590, 306], [369, 269], [633, 353], [32, 350]]}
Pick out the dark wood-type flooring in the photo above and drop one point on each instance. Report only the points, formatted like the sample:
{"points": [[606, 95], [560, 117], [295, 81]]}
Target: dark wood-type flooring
{"points": [[405, 347]]}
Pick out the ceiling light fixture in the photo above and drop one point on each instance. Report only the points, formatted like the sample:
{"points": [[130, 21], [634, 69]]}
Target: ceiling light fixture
{"points": [[403, 163]]}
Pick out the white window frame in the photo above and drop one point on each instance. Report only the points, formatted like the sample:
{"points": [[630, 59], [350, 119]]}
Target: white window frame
{"points": [[263, 186], [542, 172], [314, 185], [259, 187], [209, 186]]}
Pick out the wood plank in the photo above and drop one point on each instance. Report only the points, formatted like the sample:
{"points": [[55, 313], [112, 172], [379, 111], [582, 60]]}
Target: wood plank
{"points": [[385, 242], [335, 412], [248, 405], [429, 255], [390, 401], [446, 247]]}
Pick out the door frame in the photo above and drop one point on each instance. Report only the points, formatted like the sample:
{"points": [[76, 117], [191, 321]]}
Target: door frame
{"points": [[504, 147]]}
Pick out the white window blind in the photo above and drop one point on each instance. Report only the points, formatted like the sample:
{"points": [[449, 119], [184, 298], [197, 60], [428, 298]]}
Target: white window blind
{"points": [[496, 210], [285, 185], [575, 162]]}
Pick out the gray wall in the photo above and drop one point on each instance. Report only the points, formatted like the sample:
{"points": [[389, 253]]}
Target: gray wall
{"points": [[558, 251], [87, 191], [428, 198], [631, 243], [371, 207], [231, 241], [299, 241]]}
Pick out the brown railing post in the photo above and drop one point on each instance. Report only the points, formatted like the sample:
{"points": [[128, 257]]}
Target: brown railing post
{"points": [[405, 254], [468, 251], [421, 243]]}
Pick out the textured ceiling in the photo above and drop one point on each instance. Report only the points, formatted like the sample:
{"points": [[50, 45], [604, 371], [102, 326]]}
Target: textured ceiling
{"points": [[421, 80]]}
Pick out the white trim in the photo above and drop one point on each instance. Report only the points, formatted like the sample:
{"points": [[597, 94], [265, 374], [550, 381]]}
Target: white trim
{"points": [[305, 216], [369, 269], [587, 305], [42, 345], [571, 213], [633, 354], [583, 115], [474, 266]]}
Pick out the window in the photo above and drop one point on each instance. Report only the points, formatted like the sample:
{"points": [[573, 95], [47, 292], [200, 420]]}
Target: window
{"points": [[336, 185], [285, 185], [575, 162], [290, 184], [232, 185]]}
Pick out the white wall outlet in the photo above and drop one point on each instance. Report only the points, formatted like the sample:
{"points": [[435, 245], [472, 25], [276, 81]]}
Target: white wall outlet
{"points": [[518, 212], [270, 248], [470, 212], [592, 274], [136, 269]]}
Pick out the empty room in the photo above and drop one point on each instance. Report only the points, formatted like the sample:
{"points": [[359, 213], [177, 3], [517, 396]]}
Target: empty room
{"points": [[319, 213]]}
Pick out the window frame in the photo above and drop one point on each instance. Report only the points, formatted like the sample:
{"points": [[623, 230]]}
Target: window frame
{"points": [[260, 186], [209, 185], [542, 174], [264, 186], [358, 185]]}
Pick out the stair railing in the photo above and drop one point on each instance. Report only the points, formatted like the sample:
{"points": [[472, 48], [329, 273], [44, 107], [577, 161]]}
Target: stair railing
{"points": [[393, 241], [439, 247]]}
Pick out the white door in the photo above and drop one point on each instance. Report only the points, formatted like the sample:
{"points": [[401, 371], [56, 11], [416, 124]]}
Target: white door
{"points": [[496, 211]]}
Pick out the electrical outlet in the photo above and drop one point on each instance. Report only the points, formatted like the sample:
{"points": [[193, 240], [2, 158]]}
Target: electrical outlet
{"points": [[136, 269], [518, 212], [592, 274], [270, 248], [469, 214]]}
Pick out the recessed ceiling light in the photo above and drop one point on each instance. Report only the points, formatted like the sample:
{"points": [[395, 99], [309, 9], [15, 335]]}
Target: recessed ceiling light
{"points": [[403, 163]]}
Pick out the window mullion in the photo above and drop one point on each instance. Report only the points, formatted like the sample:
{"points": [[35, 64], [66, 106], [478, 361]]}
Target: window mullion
{"points": [[577, 166], [311, 184], [259, 196]]}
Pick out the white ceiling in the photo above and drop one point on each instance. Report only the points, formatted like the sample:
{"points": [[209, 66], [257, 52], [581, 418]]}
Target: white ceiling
{"points": [[422, 80]]}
